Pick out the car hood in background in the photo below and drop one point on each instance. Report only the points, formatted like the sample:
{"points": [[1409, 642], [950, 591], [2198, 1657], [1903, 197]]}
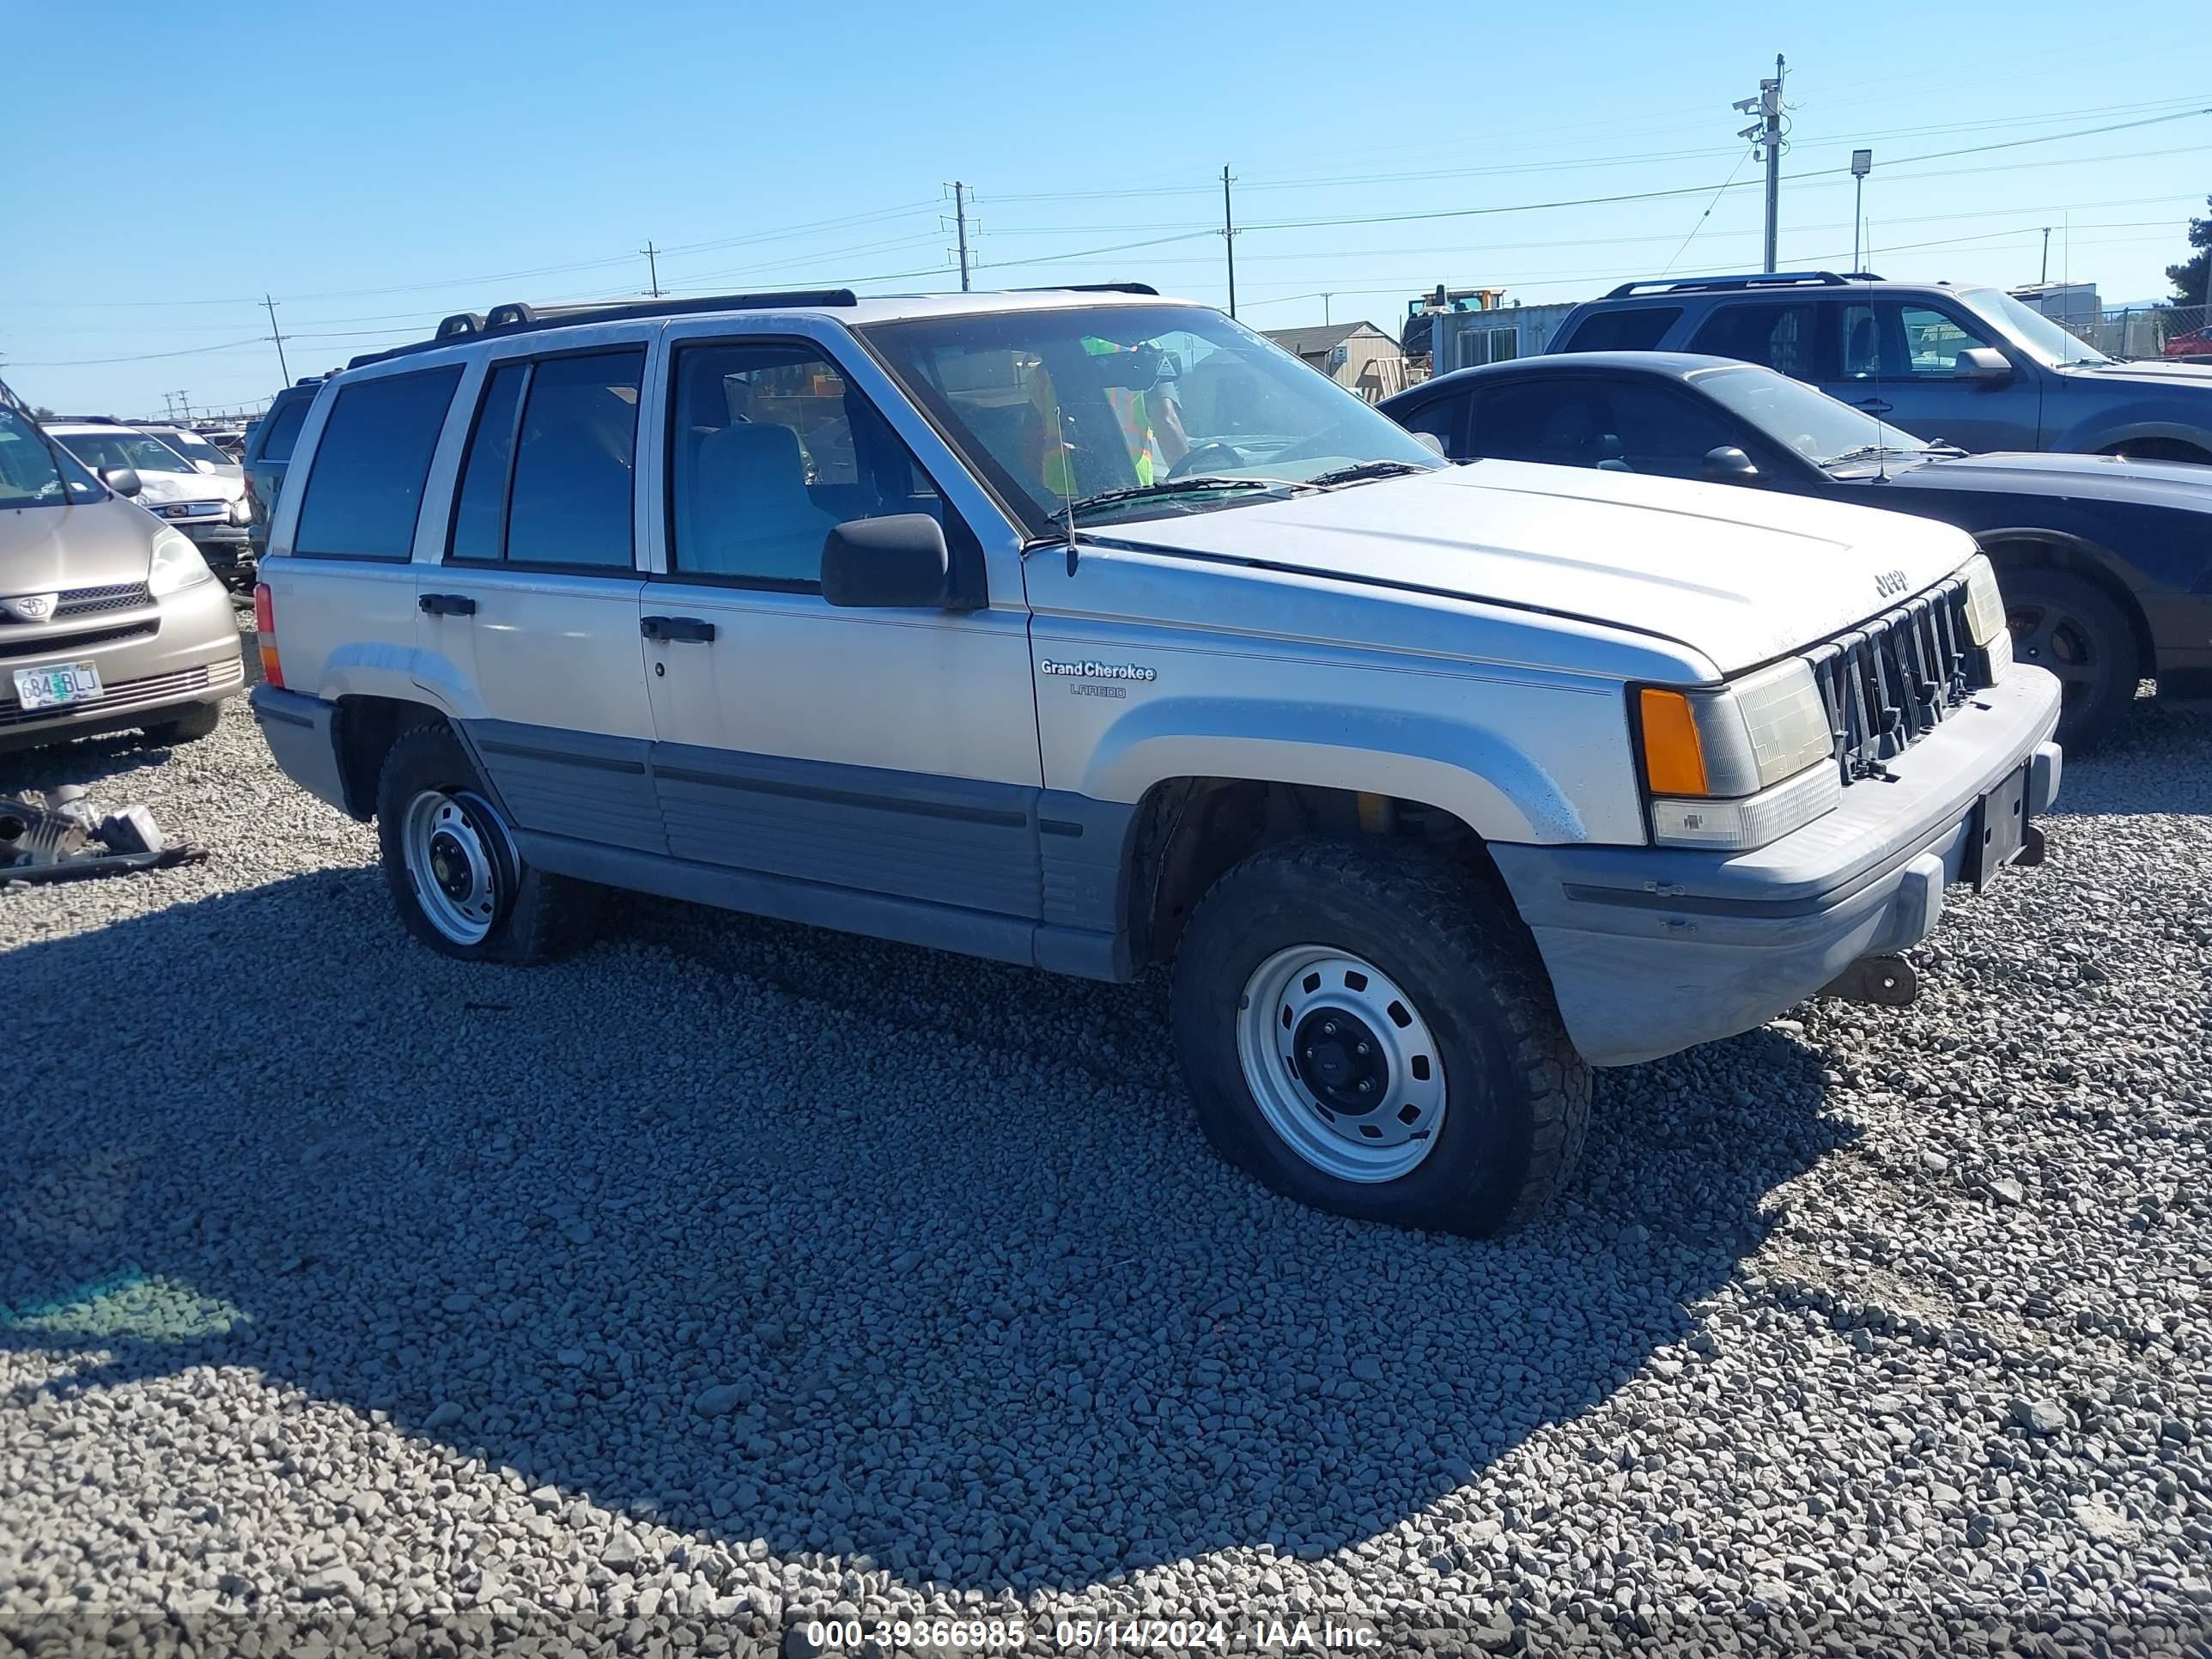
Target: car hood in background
{"points": [[2148, 370], [52, 549], [1740, 575], [2051, 476], [192, 486]]}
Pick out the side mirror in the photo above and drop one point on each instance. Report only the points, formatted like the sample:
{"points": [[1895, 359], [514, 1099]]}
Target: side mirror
{"points": [[1728, 465], [1982, 365], [896, 562], [123, 480], [1430, 441]]}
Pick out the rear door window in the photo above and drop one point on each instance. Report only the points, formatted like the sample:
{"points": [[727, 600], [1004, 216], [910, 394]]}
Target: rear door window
{"points": [[1632, 328], [1553, 420], [549, 476], [1782, 338], [365, 483]]}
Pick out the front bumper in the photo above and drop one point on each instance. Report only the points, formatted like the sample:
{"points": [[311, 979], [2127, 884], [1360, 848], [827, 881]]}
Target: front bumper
{"points": [[1652, 950], [181, 649]]}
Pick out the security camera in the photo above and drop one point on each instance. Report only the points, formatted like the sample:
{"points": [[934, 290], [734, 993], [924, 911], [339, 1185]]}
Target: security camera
{"points": [[1745, 106]]}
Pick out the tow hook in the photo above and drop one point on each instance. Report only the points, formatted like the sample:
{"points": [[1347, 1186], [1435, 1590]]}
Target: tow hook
{"points": [[1888, 980]]}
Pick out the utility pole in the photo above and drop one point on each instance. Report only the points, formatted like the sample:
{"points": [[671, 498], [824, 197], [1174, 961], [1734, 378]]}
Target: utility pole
{"points": [[277, 335], [960, 224], [1229, 237], [2045, 275], [1325, 299], [652, 267], [1766, 133], [186, 399], [170, 399]]}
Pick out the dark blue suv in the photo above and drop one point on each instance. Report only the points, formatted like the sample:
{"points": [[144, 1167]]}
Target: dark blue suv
{"points": [[1966, 365]]}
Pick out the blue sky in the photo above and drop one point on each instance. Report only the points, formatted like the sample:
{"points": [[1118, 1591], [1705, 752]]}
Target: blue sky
{"points": [[375, 167]]}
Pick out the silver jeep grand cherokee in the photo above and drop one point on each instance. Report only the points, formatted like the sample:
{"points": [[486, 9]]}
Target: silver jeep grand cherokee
{"points": [[1090, 631], [109, 619]]}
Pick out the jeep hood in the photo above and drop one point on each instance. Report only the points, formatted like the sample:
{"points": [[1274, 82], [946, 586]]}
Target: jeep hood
{"points": [[1738, 574]]}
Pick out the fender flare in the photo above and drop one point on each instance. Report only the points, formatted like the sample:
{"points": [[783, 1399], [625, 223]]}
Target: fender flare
{"points": [[1490, 784]]}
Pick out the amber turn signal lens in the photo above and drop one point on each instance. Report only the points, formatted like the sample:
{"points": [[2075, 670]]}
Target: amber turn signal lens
{"points": [[1673, 759], [265, 628]]}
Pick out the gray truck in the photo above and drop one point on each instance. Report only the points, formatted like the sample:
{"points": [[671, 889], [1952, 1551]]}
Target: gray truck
{"points": [[1969, 365], [1089, 631]]}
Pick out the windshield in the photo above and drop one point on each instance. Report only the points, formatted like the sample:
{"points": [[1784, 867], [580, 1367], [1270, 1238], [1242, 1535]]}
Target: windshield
{"points": [[1797, 417], [2029, 329], [28, 476], [193, 448], [1076, 404], [102, 450]]}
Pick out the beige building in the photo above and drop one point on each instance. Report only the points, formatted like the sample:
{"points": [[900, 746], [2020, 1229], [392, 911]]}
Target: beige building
{"points": [[1356, 356]]}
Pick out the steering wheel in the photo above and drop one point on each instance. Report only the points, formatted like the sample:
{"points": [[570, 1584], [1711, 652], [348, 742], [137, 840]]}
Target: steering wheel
{"points": [[1211, 456]]}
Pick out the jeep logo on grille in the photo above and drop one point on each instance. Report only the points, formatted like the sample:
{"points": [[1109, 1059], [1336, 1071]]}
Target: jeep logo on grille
{"points": [[1889, 583], [30, 607]]}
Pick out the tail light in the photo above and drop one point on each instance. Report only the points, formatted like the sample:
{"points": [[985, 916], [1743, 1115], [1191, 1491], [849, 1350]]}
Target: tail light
{"points": [[265, 626]]}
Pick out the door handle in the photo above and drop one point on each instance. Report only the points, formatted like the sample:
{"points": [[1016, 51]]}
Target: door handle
{"points": [[446, 604], [691, 628], [1874, 406]]}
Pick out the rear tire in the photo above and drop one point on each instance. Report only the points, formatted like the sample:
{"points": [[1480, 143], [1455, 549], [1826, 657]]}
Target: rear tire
{"points": [[1389, 967], [196, 722], [2068, 624], [449, 858]]}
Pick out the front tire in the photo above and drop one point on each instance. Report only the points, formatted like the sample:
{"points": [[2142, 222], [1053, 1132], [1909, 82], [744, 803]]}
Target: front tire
{"points": [[2066, 623], [449, 859], [1366, 1029]]}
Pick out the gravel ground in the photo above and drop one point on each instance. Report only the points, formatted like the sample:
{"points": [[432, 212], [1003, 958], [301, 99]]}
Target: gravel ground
{"points": [[733, 1274]]}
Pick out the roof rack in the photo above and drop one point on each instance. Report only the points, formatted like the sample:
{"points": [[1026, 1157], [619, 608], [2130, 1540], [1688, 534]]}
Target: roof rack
{"points": [[86, 420], [1760, 279], [1146, 288], [517, 318]]}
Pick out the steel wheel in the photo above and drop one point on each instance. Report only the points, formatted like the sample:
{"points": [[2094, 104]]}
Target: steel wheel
{"points": [[452, 845], [1341, 1063]]}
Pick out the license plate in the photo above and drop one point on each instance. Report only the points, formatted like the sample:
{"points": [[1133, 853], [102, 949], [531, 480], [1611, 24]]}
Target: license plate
{"points": [[59, 683], [1998, 828]]}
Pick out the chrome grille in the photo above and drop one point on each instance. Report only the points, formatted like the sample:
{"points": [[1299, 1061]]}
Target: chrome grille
{"points": [[1890, 683]]}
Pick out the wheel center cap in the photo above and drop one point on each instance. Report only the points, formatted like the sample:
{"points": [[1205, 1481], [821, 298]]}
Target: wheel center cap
{"points": [[1342, 1061]]}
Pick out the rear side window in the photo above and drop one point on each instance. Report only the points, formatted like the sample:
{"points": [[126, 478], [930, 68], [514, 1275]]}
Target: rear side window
{"points": [[548, 477], [1782, 338], [365, 483], [480, 510], [284, 429], [1632, 328]]}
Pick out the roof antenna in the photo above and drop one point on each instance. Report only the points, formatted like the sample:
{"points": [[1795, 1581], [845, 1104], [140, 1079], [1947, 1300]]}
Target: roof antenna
{"points": [[1070, 510]]}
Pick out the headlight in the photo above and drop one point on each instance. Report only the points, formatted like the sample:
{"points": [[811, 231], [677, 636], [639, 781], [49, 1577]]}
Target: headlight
{"points": [[1985, 612], [177, 564], [1740, 766], [1985, 617], [241, 511]]}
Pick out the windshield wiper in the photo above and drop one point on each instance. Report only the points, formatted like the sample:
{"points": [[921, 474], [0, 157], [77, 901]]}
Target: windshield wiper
{"points": [[1869, 452], [1362, 471], [1167, 487]]}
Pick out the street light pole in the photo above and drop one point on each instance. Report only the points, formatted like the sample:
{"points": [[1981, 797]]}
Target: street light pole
{"points": [[1229, 238], [1862, 165]]}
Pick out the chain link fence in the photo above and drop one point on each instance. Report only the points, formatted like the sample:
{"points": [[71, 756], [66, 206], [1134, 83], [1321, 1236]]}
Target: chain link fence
{"points": [[2182, 333]]}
